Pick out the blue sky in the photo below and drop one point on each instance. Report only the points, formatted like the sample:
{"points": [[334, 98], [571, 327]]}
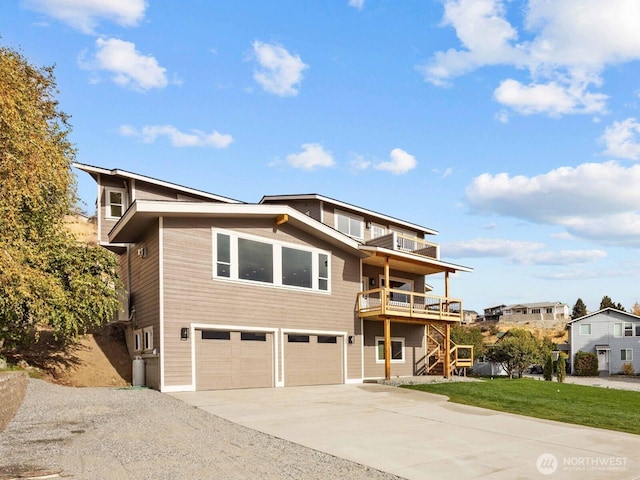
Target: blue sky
{"points": [[511, 127]]}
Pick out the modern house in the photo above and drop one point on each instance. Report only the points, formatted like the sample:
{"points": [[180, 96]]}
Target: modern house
{"points": [[293, 290], [546, 314], [614, 336]]}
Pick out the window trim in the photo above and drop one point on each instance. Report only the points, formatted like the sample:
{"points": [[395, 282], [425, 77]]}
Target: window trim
{"points": [[626, 330], [277, 247], [627, 353], [381, 227], [337, 213], [401, 340], [585, 325], [147, 339], [137, 340], [108, 204], [621, 326]]}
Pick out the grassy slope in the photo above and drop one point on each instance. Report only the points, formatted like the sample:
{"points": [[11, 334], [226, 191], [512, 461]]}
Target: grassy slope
{"points": [[592, 406]]}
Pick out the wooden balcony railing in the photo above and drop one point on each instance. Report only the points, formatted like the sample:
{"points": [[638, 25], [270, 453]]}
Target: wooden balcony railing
{"points": [[401, 303], [406, 243]]}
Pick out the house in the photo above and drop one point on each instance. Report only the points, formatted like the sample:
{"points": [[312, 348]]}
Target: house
{"points": [[614, 336], [293, 290], [492, 314], [542, 313], [469, 317]]}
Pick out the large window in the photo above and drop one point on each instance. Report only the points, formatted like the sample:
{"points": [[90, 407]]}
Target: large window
{"points": [[397, 350], [253, 259], [349, 225], [115, 202]]}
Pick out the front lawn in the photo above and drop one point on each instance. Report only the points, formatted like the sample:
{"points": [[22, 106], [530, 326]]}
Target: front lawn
{"points": [[590, 406]]}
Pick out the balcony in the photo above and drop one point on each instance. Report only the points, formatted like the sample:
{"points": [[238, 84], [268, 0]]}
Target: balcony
{"points": [[389, 302], [406, 243]]}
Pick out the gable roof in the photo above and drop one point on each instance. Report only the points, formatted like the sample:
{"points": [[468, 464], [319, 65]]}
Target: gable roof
{"points": [[116, 172], [534, 305], [605, 311], [141, 213], [348, 206]]}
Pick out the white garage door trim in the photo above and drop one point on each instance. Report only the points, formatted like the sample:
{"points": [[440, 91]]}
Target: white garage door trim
{"points": [[235, 328], [285, 331]]}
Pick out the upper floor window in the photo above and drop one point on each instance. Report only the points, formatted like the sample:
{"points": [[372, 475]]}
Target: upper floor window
{"points": [[377, 231], [254, 259], [628, 329], [585, 329], [349, 225], [549, 310], [617, 329], [116, 199]]}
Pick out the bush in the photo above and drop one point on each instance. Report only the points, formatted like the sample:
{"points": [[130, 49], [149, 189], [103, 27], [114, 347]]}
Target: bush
{"points": [[547, 372], [586, 364], [562, 367], [627, 369]]}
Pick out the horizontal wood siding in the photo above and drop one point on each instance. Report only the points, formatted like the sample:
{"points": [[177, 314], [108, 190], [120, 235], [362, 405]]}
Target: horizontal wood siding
{"points": [[192, 295], [145, 289], [414, 348], [107, 224], [375, 272]]}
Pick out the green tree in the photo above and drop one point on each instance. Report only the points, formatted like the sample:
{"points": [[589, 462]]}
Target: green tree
{"points": [[516, 351], [562, 367], [46, 277], [462, 335], [579, 309], [606, 302]]}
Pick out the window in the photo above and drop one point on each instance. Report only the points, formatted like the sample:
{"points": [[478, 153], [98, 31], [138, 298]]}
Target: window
{"points": [[638, 330], [628, 329], [115, 202], [549, 310], [349, 225], [147, 338], [296, 267], [397, 350], [404, 239], [327, 339], [585, 329], [253, 259], [535, 310], [617, 329], [298, 338], [223, 264], [137, 340], [626, 354], [216, 335], [377, 231], [253, 336]]}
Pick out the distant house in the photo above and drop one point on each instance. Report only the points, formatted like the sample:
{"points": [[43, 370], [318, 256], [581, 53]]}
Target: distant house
{"points": [[614, 336], [493, 313], [544, 314], [469, 317]]}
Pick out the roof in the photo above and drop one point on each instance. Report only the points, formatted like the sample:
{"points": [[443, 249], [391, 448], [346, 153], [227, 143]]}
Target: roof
{"points": [[536, 304], [605, 311], [95, 171], [141, 213], [417, 264], [333, 201]]}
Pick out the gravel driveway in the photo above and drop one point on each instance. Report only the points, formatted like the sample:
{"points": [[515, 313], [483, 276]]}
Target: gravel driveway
{"points": [[107, 433]]}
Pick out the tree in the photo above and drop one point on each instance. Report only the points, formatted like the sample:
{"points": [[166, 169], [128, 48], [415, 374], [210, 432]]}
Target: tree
{"points": [[606, 302], [579, 309], [46, 277], [461, 335], [636, 309], [516, 351], [562, 367]]}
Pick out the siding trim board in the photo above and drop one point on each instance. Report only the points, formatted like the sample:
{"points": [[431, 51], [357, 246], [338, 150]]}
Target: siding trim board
{"points": [[161, 299]]}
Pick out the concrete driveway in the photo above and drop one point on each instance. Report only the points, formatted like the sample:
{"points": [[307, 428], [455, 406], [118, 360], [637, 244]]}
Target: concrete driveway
{"points": [[418, 435]]}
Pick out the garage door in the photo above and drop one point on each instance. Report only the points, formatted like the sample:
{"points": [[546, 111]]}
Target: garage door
{"points": [[226, 359], [312, 359]]}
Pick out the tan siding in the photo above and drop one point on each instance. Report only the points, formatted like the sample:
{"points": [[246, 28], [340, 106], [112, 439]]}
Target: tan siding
{"points": [[312, 363], [414, 348], [107, 224], [145, 289], [193, 296]]}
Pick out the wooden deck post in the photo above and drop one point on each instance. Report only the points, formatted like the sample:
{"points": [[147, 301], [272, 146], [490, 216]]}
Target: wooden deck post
{"points": [[387, 348], [447, 349]]}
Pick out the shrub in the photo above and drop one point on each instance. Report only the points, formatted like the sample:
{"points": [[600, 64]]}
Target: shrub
{"points": [[562, 367], [547, 371], [627, 369], [586, 364]]}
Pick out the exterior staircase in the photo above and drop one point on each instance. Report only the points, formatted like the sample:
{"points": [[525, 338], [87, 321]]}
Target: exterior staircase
{"points": [[460, 356]]}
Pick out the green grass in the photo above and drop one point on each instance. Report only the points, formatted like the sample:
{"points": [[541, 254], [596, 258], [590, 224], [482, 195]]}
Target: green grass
{"points": [[591, 406]]}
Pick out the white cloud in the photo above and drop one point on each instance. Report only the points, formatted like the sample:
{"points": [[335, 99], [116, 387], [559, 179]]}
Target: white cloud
{"points": [[312, 156], [128, 66], [280, 72], [359, 4], [598, 201], [358, 162], [84, 15], [564, 45], [401, 162], [197, 138], [519, 252], [622, 139], [551, 98]]}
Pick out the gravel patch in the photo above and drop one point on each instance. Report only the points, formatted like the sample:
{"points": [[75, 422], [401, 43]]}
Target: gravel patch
{"points": [[111, 433], [420, 380]]}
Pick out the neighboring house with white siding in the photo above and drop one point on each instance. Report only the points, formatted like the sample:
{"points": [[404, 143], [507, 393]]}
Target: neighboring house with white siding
{"points": [[294, 290], [614, 336]]}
